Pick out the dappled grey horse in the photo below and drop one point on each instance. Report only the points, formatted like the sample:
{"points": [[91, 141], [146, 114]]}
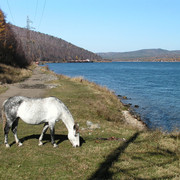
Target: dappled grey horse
{"points": [[37, 111]]}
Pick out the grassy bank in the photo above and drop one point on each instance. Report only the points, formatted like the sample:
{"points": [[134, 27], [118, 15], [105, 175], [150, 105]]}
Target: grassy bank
{"points": [[113, 151], [10, 74]]}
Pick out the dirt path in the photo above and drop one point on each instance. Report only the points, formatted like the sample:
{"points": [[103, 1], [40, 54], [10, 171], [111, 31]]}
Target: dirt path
{"points": [[33, 87]]}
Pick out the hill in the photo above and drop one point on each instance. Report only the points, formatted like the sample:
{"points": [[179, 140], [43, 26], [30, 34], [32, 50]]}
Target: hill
{"points": [[43, 47], [143, 55], [20, 46]]}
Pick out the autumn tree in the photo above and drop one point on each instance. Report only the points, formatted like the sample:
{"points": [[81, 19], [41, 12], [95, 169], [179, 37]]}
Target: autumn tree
{"points": [[11, 51], [2, 34]]}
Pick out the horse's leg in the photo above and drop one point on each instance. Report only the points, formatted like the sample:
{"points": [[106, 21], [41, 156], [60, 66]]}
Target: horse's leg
{"points": [[46, 125], [51, 127], [6, 131], [14, 130]]}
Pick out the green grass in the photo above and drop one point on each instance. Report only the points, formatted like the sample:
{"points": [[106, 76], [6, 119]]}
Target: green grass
{"points": [[144, 155]]}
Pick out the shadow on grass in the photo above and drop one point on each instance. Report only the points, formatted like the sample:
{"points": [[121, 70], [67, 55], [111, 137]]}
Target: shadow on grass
{"points": [[47, 138], [103, 171]]}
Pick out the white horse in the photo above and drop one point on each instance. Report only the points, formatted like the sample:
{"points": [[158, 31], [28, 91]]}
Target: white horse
{"points": [[37, 111]]}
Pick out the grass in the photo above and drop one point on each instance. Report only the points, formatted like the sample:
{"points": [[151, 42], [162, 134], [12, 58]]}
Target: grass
{"points": [[9, 74], [144, 155], [3, 88]]}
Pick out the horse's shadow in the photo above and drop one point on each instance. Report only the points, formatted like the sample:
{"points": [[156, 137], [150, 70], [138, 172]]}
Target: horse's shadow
{"points": [[47, 138]]}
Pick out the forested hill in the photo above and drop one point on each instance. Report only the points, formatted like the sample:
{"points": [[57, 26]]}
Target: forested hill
{"points": [[43, 47], [143, 55]]}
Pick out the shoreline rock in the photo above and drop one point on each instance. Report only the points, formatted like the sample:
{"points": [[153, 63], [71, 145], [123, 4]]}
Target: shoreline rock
{"points": [[130, 116], [134, 121]]}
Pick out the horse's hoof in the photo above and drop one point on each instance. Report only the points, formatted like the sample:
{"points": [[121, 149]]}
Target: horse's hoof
{"points": [[55, 145], [20, 144], [7, 146], [40, 144]]}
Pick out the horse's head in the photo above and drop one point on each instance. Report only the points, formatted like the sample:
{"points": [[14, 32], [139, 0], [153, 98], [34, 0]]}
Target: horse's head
{"points": [[74, 136]]}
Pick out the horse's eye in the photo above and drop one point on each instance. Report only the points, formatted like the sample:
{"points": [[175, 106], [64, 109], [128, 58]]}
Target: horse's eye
{"points": [[76, 134]]}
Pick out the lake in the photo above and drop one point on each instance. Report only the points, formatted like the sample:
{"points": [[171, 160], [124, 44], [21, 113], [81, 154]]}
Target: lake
{"points": [[153, 86]]}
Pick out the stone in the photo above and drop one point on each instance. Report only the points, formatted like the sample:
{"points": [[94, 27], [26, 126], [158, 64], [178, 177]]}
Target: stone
{"points": [[124, 97], [92, 126]]}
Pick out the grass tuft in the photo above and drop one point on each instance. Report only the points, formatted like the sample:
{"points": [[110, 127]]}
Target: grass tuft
{"points": [[9, 74]]}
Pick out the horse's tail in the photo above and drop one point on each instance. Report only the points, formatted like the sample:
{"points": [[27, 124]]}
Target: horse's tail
{"points": [[4, 119]]}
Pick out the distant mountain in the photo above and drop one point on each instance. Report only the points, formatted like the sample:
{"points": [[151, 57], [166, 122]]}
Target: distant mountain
{"points": [[42, 47], [142, 55]]}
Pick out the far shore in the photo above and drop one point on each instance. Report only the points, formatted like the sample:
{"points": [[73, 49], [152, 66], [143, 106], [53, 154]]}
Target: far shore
{"points": [[108, 61]]}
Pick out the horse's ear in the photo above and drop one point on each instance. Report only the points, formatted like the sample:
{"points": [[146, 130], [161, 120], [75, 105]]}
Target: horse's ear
{"points": [[76, 127]]}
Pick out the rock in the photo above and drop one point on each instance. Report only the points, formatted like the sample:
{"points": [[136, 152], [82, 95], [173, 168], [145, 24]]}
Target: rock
{"points": [[92, 126], [132, 120], [51, 86], [128, 105], [88, 123], [124, 97], [83, 129], [136, 106]]}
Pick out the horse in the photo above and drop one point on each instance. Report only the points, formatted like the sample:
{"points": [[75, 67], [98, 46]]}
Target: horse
{"points": [[36, 111]]}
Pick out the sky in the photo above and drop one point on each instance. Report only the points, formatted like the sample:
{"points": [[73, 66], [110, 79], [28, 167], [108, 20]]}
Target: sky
{"points": [[102, 25]]}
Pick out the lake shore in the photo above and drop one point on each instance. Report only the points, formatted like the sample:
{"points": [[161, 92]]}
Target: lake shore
{"points": [[129, 117], [35, 86], [112, 147], [143, 83]]}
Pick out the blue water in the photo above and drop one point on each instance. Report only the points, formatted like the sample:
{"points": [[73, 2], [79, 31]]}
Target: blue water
{"points": [[155, 87]]}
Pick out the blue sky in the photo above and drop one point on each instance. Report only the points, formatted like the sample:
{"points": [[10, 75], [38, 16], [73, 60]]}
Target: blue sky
{"points": [[102, 25]]}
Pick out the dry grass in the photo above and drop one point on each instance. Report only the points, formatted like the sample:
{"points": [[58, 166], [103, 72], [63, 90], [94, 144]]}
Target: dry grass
{"points": [[3, 88], [78, 79], [9, 74], [111, 107]]}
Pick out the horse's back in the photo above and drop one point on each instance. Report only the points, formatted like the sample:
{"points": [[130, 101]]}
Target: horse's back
{"points": [[33, 110], [39, 110]]}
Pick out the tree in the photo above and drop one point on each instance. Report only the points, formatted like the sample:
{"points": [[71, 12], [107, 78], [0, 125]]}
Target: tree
{"points": [[11, 51], [2, 27]]}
